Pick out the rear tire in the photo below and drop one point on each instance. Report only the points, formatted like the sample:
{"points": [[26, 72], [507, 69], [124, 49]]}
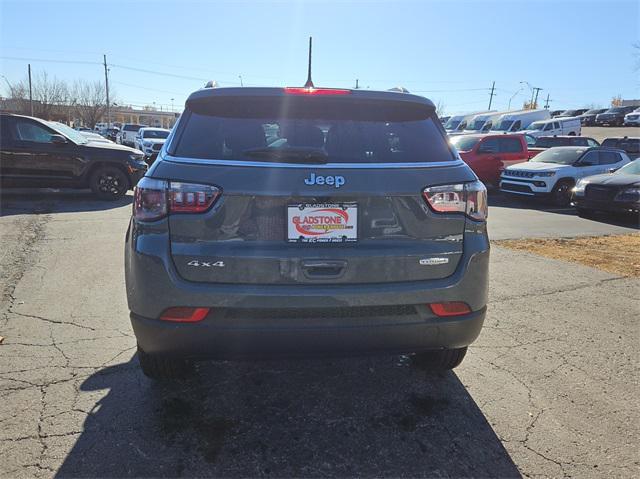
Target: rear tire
{"points": [[109, 183], [161, 368], [441, 360], [561, 193]]}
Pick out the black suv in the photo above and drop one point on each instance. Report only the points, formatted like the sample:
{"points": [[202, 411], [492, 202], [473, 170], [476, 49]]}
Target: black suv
{"points": [[588, 118], [38, 153], [614, 116]]}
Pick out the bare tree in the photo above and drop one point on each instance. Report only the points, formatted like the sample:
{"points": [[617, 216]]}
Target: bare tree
{"points": [[440, 108], [636, 54], [90, 101], [50, 95]]}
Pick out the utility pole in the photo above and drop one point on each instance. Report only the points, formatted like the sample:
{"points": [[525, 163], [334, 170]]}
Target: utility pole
{"points": [[546, 103], [106, 84], [491, 95], [172, 105], [535, 101], [357, 86], [30, 89]]}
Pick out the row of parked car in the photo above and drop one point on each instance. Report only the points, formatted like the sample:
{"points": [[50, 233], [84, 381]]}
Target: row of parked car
{"points": [[540, 122], [615, 116], [148, 140], [557, 168]]}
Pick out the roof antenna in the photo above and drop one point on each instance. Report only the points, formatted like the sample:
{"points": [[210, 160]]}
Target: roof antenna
{"points": [[309, 83]]}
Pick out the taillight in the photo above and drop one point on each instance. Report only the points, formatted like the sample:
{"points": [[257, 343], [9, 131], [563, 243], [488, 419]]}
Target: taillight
{"points": [[155, 199], [467, 198], [191, 198], [184, 314], [150, 199], [292, 90], [454, 308]]}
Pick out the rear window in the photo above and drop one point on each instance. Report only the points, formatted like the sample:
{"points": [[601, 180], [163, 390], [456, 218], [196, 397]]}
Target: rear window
{"points": [[464, 142], [610, 142], [548, 142], [157, 134], [289, 132], [131, 127]]}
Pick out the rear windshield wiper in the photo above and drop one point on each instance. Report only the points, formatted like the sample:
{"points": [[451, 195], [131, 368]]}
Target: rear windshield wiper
{"points": [[290, 154]]}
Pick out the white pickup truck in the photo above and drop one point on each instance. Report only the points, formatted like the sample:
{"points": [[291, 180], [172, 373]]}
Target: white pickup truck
{"points": [[556, 126], [127, 135]]}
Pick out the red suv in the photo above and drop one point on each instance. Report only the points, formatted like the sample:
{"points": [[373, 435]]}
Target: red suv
{"points": [[488, 155]]}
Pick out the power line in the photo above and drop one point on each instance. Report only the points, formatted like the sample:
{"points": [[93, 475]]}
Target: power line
{"points": [[144, 87], [25, 59], [173, 75]]}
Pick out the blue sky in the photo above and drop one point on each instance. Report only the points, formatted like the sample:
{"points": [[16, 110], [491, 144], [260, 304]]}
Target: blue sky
{"points": [[579, 52]]}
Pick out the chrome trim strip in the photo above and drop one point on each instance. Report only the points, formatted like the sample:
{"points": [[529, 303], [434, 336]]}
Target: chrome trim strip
{"points": [[262, 164]]}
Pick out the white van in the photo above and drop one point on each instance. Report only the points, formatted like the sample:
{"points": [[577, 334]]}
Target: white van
{"points": [[519, 120], [571, 126], [482, 123], [458, 123]]}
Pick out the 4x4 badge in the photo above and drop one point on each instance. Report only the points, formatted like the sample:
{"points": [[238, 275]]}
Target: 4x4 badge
{"points": [[206, 264]]}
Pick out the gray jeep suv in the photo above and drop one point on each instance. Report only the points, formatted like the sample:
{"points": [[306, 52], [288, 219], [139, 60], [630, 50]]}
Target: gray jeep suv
{"points": [[283, 222]]}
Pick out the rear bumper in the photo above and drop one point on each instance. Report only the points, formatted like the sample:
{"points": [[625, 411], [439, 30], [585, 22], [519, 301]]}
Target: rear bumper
{"points": [[210, 340], [153, 285]]}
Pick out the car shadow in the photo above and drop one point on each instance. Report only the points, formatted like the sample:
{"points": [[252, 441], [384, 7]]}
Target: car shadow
{"points": [[17, 201], [501, 200], [368, 417]]}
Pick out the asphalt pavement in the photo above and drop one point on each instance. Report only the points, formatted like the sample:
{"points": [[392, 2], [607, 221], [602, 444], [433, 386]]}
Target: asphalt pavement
{"points": [[550, 388]]}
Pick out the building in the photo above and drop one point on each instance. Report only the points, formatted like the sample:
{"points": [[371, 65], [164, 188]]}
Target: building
{"points": [[68, 113], [630, 103]]}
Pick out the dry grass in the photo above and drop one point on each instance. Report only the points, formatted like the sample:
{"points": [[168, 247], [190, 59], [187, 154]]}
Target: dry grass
{"points": [[615, 254]]}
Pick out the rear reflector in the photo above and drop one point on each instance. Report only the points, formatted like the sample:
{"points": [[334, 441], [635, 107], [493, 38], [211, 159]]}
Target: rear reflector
{"points": [[292, 90], [455, 308], [184, 314]]}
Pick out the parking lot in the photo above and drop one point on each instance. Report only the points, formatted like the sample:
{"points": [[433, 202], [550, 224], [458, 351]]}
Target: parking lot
{"points": [[550, 387]]}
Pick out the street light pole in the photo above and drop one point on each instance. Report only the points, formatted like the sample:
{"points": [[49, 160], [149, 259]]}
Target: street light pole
{"points": [[513, 96], [172, 105]]}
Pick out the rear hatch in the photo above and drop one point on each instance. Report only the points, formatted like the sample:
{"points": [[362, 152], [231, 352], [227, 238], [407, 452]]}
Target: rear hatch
{"points": [[313, 189]]}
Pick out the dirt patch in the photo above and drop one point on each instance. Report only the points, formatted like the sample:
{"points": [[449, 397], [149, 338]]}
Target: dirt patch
{"points": [[614, 254]]}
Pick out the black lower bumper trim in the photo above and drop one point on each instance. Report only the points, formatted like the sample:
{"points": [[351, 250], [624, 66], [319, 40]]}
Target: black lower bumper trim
{"points": [[206, 340]]}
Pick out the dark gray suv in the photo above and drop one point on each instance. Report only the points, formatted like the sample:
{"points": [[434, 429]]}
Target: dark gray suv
{"points": [[282, 222]]}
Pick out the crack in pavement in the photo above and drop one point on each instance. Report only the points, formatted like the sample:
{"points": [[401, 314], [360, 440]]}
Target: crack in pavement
{"points": [[558, 290]]}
